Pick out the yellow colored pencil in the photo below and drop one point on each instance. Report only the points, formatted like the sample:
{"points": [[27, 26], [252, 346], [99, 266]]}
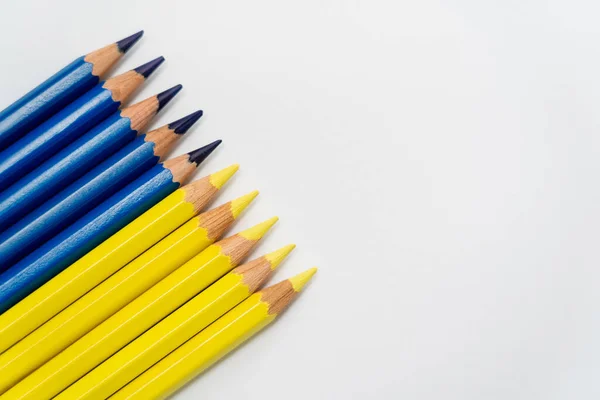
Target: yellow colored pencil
{"points": [[214, 342], [117, 291], [138, 316], [108, 257], [175, 329]]}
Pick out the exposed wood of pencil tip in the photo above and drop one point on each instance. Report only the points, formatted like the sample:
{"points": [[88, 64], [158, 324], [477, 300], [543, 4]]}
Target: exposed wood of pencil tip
{"points": [[279, 296], [236, 247], [216, 221], [141, 113], [122, 86], [201, 191], [254, 273], [103, 59], [163, 139]]}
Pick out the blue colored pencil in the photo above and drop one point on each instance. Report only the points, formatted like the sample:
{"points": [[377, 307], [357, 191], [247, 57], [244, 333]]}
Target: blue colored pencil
{"points": [[93, 228], [76, 159], [59, 90], [66, 126], [90, 190]]}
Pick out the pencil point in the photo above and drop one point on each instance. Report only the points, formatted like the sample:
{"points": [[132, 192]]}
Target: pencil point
{"points": [[182, 125], [147, 69], [165, 97], [218, 179], [258, 231], [125, 44], [301, 279], [199, 155], [238, 205], [275, 258]]}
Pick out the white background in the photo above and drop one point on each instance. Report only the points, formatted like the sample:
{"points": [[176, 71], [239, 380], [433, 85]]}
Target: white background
{"points": [[437, 160]]}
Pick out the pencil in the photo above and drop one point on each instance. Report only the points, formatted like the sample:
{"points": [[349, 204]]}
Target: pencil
{"points": [[93, 228], [84, 194], [109, 257], [138, 316], [175, 329], [54, 174], [66, 126], [59, 90], [117, 291], [214, 342]]}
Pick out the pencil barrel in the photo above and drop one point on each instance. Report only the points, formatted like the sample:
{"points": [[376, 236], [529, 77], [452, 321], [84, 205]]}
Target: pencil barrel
{"points": [[199, 352], [45, 100], [56, 133]]}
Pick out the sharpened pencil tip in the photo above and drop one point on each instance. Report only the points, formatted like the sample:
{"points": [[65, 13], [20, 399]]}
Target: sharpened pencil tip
{"points": [[125, 44], [165, 97], [147, 69], [199, 155], [218, 179], [238, 205], [181, 126], [300, 280], [258, 231], [275, 258]]}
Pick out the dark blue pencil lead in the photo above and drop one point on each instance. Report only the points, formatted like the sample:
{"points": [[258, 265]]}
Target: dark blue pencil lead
{"points": [[199, 155], [125, 44], [165, 97], [147, 69], [182, 125]]}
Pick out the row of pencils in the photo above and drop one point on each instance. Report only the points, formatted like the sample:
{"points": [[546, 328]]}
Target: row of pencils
{"points": [[115, 281]]}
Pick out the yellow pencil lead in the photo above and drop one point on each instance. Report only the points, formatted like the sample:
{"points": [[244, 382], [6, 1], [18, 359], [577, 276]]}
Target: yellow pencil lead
{"points": [[258, 231], [218, 179], [301, 279], [275, 258], [238, 205]]}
